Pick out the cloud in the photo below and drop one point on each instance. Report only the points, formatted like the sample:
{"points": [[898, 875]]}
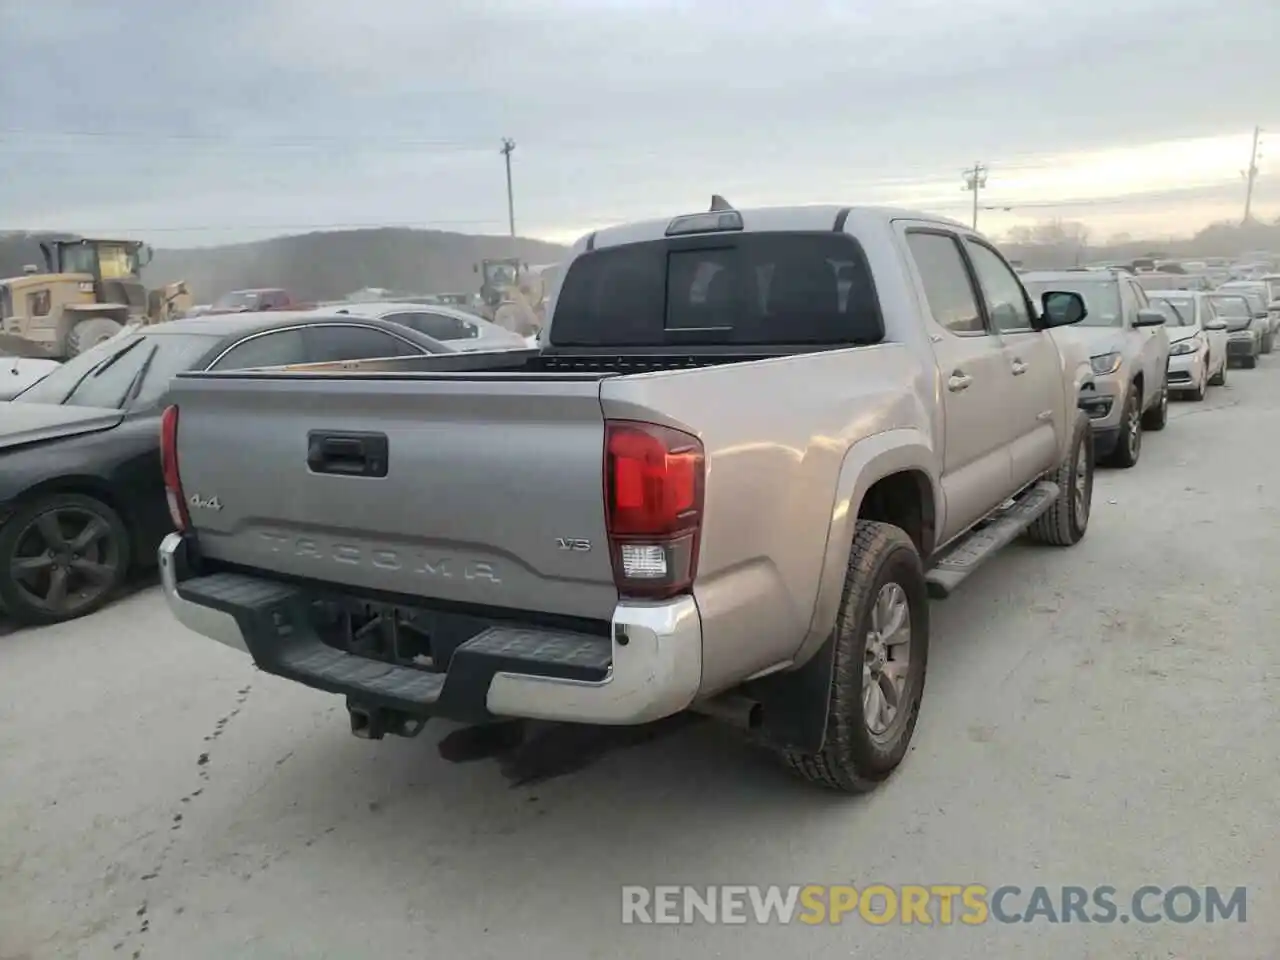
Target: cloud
{"points": [[244, 118]]}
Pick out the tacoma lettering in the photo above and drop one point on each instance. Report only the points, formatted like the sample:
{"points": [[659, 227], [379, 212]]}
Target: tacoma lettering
{"points": [[435, 567]]}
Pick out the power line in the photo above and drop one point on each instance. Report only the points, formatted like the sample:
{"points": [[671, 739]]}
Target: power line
{"points": [[1123, 198], [1251, 176], [253, 227], [234, 140], [975, 178], [508, 148]]}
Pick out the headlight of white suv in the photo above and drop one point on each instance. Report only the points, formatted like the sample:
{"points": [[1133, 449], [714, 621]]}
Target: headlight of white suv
{"points": [[1105, 363], [1183, 347]]}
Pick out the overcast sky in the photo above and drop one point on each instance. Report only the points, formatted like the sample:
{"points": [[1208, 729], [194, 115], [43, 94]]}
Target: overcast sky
{"points": [[185, 123]]}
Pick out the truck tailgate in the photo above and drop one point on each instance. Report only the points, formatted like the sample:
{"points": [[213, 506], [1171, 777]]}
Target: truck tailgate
{"points": [[487, 490]]}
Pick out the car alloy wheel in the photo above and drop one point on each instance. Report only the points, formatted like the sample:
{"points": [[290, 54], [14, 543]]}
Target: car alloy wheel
{"points": [[64, 560]]}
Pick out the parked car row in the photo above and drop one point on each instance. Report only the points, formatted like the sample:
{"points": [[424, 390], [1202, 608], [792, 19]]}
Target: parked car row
{"points": [[1150, 336]]}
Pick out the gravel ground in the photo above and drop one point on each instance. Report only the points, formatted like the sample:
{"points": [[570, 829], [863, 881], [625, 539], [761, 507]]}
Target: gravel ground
{"points": [[1101, 715]]}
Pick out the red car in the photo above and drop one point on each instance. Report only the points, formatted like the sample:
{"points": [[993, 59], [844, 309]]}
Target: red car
{"points": [[250, 301]]}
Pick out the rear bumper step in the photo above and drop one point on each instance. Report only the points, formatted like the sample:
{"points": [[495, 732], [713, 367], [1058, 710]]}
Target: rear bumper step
{"points": [[649, 667]]}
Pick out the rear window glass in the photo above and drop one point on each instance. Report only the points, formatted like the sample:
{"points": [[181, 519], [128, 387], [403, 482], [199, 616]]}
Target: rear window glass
{"points": [[753, 288]]}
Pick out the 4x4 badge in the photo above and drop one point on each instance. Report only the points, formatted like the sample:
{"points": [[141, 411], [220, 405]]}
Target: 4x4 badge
{"points": [[213, 503]]}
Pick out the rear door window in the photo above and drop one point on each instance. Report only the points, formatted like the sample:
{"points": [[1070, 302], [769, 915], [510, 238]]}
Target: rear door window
{"points": [[265, 350], [752, 288], [334, 342], [948, 289]]}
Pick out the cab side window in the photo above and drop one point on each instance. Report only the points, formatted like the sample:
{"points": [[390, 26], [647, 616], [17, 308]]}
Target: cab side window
{"points": [[947, 287], [1006, 299]]}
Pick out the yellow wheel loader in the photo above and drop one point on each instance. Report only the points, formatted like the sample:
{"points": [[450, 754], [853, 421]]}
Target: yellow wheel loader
{"points": [[514, 294], [89, 291]]}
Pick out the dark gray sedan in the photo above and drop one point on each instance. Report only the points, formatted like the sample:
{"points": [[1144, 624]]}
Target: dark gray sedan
{"points": [[82, 498]]}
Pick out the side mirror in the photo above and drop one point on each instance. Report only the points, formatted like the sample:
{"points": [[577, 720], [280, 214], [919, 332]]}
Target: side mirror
{"points": [[146, 255], [1062, 308], [1149, 318], [1216, 325]]}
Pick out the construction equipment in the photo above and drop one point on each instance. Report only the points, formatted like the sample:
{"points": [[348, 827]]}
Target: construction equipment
{"points": [[89, 290], [514, 294]]}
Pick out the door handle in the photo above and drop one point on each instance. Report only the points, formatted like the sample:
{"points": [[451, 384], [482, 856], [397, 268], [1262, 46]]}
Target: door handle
{"points": [[347, 454], [1019, 368], [959, 381]]}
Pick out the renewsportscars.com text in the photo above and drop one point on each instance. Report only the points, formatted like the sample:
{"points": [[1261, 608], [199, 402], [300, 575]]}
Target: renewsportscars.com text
{"points": [[931, 905]]}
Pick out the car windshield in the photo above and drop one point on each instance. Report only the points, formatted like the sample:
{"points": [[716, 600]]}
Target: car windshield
{"points": [[1236, 307], [1184, 309], [1101, 298], [134, 363]]}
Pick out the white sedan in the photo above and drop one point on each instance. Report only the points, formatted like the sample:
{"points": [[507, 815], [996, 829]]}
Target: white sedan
{"points": [[456, 329], [1197, 339]]}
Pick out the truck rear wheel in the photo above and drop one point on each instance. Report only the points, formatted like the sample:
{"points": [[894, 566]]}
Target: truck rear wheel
{"points": [[89, 333], [881, 651]]}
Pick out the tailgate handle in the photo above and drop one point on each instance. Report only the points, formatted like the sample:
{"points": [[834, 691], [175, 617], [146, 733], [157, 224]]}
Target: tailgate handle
{"points": [[347, 454]]}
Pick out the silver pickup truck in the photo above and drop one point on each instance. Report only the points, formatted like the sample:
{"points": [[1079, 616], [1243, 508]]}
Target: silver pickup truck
{"points": [[751, 446]]}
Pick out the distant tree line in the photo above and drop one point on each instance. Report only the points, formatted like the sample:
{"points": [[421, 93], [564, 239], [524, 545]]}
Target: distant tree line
{"points": [[320, 266], [1066, 243]]}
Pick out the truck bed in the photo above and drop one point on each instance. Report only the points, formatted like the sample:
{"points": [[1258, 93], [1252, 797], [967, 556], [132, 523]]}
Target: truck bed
{"points": [[490, 488]]}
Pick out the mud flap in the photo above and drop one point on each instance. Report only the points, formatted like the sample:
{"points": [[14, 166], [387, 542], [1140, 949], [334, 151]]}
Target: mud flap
{"points": [[794, 705]]}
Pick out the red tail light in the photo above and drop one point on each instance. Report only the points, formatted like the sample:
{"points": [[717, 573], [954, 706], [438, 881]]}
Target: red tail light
{"points": [[169, 464], [654, 480]]}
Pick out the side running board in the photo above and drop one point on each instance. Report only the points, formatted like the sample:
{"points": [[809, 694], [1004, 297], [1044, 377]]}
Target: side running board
{"points": [[970, 551]]}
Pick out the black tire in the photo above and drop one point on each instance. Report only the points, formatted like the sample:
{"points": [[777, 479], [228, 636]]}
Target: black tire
{"points": [[1268, 342], [1158, 416], [1249, 362], [92, 563], [852, 758], [1067, 521], [1219, 379], [87, 334], [1129, 443]]}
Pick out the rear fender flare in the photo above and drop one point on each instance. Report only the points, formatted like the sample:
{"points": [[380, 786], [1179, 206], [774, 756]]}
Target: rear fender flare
{"points": [[866, 462], [794, 702]]}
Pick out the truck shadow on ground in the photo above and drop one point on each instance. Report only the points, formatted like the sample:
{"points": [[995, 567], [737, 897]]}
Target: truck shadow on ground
{"points": [[532, 753]]}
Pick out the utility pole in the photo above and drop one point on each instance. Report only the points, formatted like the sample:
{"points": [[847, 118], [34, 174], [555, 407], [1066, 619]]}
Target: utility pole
{"points": [[508, 147], [975, 178], [1251, 176]]}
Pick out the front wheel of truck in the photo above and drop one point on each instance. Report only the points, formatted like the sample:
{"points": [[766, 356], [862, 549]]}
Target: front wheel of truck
{"points": [[881, 646], [1066, 522]]}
